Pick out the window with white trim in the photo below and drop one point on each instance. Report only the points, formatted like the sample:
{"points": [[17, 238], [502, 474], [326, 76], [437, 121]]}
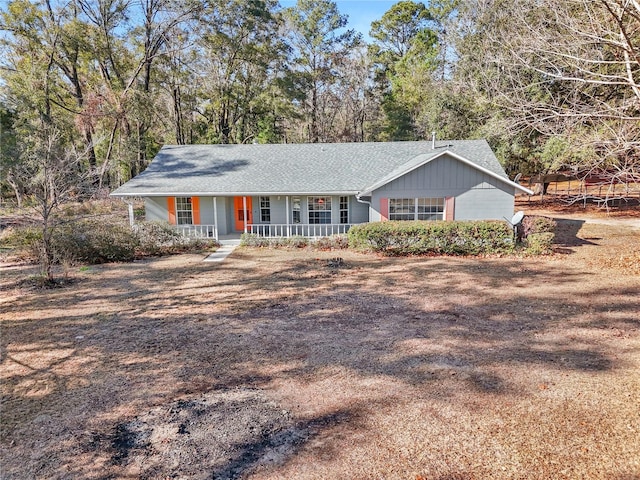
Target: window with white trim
{"points": [[430, 208], [416, 209], [184, 211], [344, 209], [265, 209], [319, 210], [295, 210]]}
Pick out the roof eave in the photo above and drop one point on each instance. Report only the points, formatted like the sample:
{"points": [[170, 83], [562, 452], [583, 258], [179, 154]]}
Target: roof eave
{"points": [[227, 194]]}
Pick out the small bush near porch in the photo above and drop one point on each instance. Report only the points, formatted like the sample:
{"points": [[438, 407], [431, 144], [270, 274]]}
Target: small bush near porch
{"points": [[332, 242], [100, 240]]}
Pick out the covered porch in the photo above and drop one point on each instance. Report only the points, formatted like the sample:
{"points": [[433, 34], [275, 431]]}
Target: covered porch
{"points": [[270, 216]]}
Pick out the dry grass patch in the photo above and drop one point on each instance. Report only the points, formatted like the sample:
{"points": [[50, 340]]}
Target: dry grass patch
{"points": [[288, 364]]}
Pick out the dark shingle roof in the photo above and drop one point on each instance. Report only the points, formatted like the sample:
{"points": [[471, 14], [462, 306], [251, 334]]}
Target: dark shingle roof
{"points": [[346, 168]]}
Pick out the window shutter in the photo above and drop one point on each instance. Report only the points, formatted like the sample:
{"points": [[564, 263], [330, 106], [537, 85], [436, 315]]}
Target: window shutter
{"points": [[384, 209], [449, 208], [171, 208], [195, 207]]}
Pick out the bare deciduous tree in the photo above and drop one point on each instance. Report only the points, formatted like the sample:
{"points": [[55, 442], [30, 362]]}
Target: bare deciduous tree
{"points": [[50, 171], [560, 66]]}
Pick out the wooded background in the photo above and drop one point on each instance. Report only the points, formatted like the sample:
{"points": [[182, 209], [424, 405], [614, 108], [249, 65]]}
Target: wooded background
{"points": [[91, 89]]}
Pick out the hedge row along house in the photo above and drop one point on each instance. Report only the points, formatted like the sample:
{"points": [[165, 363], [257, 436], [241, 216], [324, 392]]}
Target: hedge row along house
{"points": [[312, 190]]}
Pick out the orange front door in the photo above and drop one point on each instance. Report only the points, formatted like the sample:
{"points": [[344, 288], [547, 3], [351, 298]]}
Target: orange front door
{"points": [[239, 212]]}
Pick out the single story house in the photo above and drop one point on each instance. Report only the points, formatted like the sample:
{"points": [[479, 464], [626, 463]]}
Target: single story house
{"points": [[320, 189]]}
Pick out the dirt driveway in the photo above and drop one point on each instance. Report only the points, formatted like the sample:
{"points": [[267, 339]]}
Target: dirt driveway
{"points": [[297, 364]]}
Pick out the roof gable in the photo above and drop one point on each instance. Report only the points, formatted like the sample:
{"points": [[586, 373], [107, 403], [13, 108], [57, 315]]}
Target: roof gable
{"points": [[424, 159]]}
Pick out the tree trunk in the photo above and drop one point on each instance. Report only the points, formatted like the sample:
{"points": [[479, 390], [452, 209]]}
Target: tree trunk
{"points": [[177, 111], [91, 151], [313, 127], [141, 161], [223, 124], [18, 190]]}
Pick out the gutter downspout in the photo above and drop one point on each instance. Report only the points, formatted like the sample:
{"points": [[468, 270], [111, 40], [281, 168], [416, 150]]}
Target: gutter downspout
{"points": [[366, 203], [362, 201]]}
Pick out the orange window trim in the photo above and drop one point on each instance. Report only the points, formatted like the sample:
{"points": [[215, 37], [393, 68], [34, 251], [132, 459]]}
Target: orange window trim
{"points": [[171, 208], [195, 208], [449, 208], [384, 209]]}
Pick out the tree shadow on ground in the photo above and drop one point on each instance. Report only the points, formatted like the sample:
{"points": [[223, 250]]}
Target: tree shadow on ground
{"points": [[567, 234], [133, 337]]}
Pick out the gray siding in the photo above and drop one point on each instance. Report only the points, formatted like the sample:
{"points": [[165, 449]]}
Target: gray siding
{"points": [[478, 196], [206, 211], [223, 220], [155, 209], [493, 204], [228, 216], [279, 209], [358, 212]]}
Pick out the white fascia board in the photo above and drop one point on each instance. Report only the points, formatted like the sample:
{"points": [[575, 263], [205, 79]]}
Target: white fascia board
{"points": [[368, 191]]}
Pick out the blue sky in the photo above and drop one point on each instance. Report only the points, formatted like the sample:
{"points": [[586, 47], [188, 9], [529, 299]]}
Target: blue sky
{"points": [[361, 12]]}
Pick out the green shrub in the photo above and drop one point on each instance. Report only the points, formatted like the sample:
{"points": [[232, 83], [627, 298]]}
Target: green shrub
{"points": [[333, 242], [537, 224], [94, 241], [253, 240], [538, 234], [86, 241], [160, 238], [297, 241], [20, 236], [157, 238], [425, 238], [25, 242], [539, 243]]}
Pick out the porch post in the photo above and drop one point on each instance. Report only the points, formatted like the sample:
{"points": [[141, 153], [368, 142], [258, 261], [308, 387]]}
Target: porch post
{"points": [[286, 202], [215, 216], [131, 217], [244, 209]]}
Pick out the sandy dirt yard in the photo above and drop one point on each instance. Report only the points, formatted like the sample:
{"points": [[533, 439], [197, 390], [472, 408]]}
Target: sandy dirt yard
{"points": [[329, 365]]}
